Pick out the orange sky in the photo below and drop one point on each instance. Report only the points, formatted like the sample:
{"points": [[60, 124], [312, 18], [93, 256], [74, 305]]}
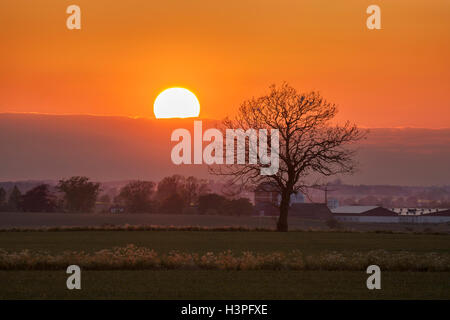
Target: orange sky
{"points": [[225, 52]]}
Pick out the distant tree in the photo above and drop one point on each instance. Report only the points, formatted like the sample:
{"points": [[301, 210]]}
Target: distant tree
{"points": [[192, 189], [169, 186], [136, 196], [80, 194], [212, 202], [39, 199], [2, 199], [15, 200]]}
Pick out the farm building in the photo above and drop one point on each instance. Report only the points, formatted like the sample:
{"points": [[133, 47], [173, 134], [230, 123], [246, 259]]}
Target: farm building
{"points": [[267, 199], [364, 214], [434, 217], [316, 211], [416, 211], [376, 214]]}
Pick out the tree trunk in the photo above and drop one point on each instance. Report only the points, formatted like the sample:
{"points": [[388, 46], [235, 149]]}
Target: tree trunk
{"points": [[282, 224]]}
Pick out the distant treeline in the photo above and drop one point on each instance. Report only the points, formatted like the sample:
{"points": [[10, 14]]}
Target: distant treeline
{"points": [[386, 196], [172, 195]]}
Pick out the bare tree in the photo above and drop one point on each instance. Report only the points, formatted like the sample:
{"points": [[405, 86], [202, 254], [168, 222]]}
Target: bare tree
{"points": [[308, 142]]}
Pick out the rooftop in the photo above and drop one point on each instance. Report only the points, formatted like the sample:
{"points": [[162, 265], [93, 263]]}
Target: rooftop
{"points": [[353, 209]]}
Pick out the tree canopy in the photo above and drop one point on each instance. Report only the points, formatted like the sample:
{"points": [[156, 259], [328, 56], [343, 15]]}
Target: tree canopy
{"points": [[309, 143], [80, 194]]}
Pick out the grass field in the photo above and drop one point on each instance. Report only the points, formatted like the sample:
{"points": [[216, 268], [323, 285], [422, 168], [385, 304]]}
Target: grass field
{"points": [[214, 241], [218, 284]]}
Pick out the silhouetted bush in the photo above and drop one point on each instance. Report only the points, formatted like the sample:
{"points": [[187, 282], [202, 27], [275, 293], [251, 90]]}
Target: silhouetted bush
{"points": [[39, 199], [212, 201], [15, 200], [214, 204], [3, 204], [172, 204]]}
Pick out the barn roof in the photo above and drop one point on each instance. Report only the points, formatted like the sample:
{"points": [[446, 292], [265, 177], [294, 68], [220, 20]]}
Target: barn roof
{"points": [[310, 210], [363, 211], [353, 209]]}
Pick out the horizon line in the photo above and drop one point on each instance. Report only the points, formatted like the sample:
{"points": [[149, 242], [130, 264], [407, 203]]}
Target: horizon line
{"points": [[199, 118]]}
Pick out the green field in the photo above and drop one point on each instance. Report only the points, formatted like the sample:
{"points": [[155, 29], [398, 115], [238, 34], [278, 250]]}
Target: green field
{"points": [[215, 241], [218, 284]]}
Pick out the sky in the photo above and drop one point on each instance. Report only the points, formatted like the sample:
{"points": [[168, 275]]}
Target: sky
{"points": [[41, 147], [225, 52]]}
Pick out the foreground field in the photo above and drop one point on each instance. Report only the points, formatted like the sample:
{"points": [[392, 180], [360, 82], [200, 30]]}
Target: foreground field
{"points": [[224, 284], [175, 284]]}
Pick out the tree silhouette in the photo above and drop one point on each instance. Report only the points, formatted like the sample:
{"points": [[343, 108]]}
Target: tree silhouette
{"points": [[136, 196], [80, 194], [15, 200], [2, 199], [308, 142], [192, 189], [169, 186], [39, 199], [212, 203]]}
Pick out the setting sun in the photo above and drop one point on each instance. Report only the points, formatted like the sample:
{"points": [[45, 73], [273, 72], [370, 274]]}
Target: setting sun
{"points": [[176, 103]]}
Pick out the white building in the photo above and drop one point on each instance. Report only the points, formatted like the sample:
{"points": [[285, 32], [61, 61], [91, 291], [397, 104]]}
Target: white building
{"points": [[376, 214], [416, 211]]}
